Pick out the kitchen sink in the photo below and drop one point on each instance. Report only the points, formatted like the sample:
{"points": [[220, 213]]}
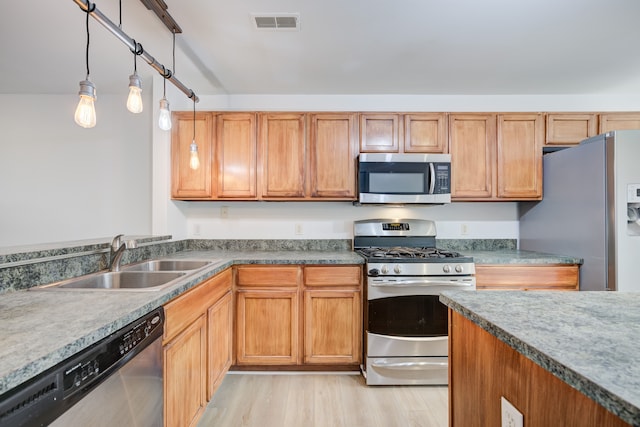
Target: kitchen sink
{"points": [[122, 280], [168, 265]]}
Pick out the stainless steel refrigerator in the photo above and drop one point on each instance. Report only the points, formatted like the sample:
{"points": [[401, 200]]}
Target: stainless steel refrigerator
{"points": [[590, 209]]}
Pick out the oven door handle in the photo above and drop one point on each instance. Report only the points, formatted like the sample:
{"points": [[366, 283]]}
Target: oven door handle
{"points": [[408, 366], [432, 180], [421, 282]]}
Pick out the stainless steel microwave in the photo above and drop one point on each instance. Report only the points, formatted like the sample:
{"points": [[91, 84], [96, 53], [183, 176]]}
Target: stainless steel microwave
{"points": [[409, 178]]}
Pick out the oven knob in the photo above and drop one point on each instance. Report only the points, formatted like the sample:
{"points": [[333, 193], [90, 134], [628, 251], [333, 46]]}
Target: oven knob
{"points": [[446, 268], [384, 269], [397, 269], [374, 272], [458, 269]]}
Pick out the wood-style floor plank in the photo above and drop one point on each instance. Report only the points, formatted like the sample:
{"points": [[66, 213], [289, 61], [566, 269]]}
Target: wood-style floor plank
{"points": [[322, 400]]}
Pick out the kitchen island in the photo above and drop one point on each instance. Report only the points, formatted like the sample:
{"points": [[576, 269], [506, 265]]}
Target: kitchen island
{"points": [[561, 358]]}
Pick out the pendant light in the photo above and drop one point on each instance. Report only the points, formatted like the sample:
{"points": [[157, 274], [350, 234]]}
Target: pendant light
{"points": [[194, 162], [134, 101], [85, 114], [164, 120]]}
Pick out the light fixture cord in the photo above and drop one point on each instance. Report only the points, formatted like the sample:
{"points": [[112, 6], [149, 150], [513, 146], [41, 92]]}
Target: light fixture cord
{"points": [[194, 119], [174, 51], [120, 9], [90, 8]]}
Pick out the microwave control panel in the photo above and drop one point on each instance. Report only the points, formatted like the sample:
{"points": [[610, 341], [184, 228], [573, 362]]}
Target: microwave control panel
{"points": [[443, 178]]}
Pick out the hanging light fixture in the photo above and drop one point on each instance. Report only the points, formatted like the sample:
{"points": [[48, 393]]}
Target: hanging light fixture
{"points": [[194, 162], [134, 101], [85, 114], [164, 120]]}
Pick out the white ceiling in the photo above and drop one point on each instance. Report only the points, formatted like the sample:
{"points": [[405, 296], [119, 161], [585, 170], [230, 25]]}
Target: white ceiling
{"points": [[343, 47]]}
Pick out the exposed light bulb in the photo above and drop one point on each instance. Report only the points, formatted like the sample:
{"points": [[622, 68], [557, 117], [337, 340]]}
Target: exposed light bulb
{"points": [[85, 115], [194, 162], [164, 121], [134, 101]]}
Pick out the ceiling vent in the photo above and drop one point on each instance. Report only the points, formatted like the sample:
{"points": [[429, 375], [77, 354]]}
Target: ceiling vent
{"points": [[276, 21]]}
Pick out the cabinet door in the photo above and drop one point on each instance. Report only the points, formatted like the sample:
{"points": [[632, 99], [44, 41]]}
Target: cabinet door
{"points": [[472, 144], [236, 155], [267, 327], [220, 327], [379, 132], [425, 133], [519, 156], [187, 183], [527, 277], [570, 128], [333, 152], [332, 327], [283, 150], [619, 121], [185, 376]]}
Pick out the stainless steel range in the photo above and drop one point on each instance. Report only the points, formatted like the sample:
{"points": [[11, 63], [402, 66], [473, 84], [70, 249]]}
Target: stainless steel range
{"points": [[406, 326]]}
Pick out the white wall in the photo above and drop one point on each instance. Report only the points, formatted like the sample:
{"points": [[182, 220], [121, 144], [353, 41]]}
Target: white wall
{"points": [[61, 182]]}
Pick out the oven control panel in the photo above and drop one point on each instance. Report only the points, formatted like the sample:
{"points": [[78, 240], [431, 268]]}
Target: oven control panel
{"points": [[420, 269]]}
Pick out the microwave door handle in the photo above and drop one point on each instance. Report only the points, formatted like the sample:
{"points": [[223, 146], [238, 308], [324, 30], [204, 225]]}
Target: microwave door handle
{"points": [[432, 178]]}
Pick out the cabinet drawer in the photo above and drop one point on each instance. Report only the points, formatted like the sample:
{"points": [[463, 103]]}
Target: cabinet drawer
{"points": [[185, 309], [332, 275], [527, 277], [267, 275]]}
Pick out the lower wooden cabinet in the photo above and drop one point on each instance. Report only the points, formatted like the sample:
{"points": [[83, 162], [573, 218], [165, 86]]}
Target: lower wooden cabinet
{"points": [[185, 376], [528, 277], [298, 315], [267, 327], [197, 342]]}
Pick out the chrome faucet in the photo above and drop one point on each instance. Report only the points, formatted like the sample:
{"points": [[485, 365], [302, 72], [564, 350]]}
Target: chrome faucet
{"points": [[118, 246]]}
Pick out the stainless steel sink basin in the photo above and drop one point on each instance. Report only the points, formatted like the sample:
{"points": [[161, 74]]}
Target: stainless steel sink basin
{"points": [[168, 265], [123, 280]]}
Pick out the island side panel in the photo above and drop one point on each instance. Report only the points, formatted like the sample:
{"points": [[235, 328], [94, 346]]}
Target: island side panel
{"points": [[483, 368]]}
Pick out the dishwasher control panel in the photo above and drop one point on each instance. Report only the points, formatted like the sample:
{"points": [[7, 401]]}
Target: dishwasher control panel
{"points": [[107, 355]]}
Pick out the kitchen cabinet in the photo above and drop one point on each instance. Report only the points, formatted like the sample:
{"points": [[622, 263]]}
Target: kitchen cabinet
{"points": [[333, 149], [332, 315], [403, 133], [619, 121], [283, 155], [570, 128], [197, 331], [527, 277], [267, 315], [187, 183], [236, 156], [477, 384], [496, 157], [298, 315]]}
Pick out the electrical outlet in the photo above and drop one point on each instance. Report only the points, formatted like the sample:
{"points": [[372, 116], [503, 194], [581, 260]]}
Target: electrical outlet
{"points": [[298, 229], [224, 212], [464, 229], [196, 229], [511, 417]]}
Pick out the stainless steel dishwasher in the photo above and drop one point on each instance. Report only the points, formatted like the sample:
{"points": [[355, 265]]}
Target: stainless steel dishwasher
{"points": [[115, 382]]}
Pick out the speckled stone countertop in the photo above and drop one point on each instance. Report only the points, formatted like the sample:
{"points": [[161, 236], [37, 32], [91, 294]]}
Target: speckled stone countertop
{"points": [[513, 256], [590, 340], [40, 328]]}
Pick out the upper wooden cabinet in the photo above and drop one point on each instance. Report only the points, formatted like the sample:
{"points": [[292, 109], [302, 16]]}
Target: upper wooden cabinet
{"points": [[472, 144], [496, 157], [408, 133], [519, 156], [333, 150], [570, 128], [619, 121], [187, 183], [236, 155], [283, 155]]}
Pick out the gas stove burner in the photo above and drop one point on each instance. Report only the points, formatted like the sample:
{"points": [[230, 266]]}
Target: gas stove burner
{"points": [[400, 252]]}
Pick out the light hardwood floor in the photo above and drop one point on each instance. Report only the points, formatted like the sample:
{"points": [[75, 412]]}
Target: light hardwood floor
{"points": [[322, 400]]}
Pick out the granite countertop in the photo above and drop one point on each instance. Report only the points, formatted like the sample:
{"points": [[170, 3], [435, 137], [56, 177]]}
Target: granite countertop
{"points": [[514, 256], [40, 328], [590, 340]]}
